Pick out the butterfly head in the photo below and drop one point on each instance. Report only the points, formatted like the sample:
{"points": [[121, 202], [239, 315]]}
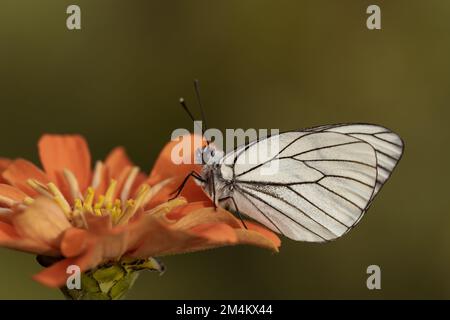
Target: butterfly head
{"points": [[208, 155]]}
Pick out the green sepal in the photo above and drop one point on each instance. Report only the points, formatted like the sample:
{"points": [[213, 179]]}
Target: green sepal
{"points": [[112, 280]]}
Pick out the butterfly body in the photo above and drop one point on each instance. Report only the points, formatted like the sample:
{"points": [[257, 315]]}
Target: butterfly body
{"points": [[218, 188]]}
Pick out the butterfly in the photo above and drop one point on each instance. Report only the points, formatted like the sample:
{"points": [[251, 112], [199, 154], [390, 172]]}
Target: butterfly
{"points": [[325, 180]]}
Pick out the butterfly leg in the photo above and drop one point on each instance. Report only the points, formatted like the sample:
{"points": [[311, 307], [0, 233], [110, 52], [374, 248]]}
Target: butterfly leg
{"points": [[214, 192], [235, 208], [193, 174]]}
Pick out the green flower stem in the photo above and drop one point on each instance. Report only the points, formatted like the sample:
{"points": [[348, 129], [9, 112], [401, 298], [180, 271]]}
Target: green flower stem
{"points": [[112, 280], [93, 289]]}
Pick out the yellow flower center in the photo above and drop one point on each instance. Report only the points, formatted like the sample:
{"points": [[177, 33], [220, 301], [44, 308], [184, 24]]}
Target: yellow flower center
{"points": [[120, 207]]}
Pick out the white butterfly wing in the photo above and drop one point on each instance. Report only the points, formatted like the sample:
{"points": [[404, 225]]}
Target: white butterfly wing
{"points": [[388, 146], [325, 178]]}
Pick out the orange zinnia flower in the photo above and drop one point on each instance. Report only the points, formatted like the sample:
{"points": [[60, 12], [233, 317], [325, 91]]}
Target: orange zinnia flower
{"points": [[115, 212]]}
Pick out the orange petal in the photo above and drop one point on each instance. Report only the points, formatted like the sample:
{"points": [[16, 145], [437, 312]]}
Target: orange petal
{"points": [[207, 236], [196, 230], [7, 232], [12, 193], [256, 234], [191, 192], [165, 168], [121, 179], [5, 215], [56, 275], [112, 245], [59, 152], [160, 192], [207, 216], [178, 212], [20, 171], [97, 249], [74, 242], [42, 221], [161, 239], [213, 235], [98, 224], [116, 161], [100, 179], [140, 179], [119, 167], [107, 243], [9, 238], [250, 237], [4, 163], [264, 232]]}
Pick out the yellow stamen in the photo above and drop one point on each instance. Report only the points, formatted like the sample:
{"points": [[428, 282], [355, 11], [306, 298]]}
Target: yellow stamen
{"points": [[128, 212], [141, 195], [169, 205], [166, 207], [59, 198], [130, 204], [117, 205], [116, 210], [78, 204], [110, 192], [154, 190], [78, 214], [109, 206], [100, 201], [142, 192], [28, 201], [175, 202], [98, 205], [39, 187], [78, 219], [89, 199]]}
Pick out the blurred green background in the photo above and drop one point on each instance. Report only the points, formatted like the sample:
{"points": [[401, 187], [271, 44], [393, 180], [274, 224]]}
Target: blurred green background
{"points": [[283, 64]]}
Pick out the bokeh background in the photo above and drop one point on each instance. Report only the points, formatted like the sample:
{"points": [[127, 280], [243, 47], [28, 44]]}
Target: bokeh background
{"points": [[283, 64]]}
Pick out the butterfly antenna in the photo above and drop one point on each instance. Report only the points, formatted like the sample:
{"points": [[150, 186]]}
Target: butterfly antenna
{"points": [[199, 100], [185, 107], [183, 104]]}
